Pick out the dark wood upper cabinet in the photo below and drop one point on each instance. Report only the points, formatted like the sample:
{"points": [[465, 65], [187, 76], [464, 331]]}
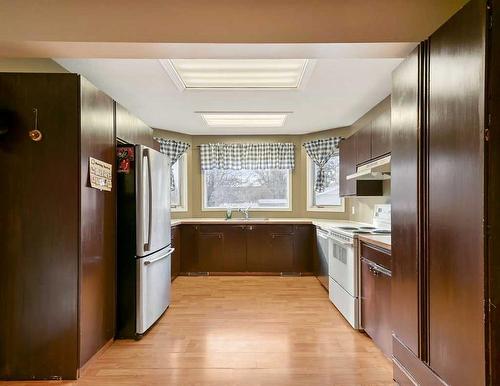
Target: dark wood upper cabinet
{"points": [[364, 144], [381, 134], [131, 129], [347, 165], [348, 157]]}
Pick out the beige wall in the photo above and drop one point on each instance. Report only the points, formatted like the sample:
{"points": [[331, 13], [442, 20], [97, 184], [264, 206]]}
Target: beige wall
{"points": [[363, 207], [30, 65]]}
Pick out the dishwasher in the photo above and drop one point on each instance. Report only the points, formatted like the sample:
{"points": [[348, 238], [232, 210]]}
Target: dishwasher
{"points": [[324, 251]]}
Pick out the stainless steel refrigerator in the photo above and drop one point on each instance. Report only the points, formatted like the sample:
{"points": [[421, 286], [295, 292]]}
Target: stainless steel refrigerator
{"points": [[144, 241]]}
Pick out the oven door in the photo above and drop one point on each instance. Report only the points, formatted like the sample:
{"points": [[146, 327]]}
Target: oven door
{"points": [[342, 267]]}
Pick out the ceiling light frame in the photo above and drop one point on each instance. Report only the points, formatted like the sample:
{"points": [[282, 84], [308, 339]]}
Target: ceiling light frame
{"points": [[305, 74], [244, 119]]}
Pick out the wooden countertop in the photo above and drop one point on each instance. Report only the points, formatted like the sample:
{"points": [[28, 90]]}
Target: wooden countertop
{"points": [[382, 241]]}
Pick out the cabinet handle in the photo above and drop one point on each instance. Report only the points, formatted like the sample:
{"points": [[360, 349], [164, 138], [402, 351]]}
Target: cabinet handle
{"points": [[250, 228]]}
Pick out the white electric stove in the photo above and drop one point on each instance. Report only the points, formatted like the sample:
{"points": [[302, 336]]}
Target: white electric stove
{"points": [[343, 267]]}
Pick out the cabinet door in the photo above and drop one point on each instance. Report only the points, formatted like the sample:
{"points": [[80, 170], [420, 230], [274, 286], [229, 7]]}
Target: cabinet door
{"points": [[381, 134], [303, 248], [364, 144], [176, 256], [376, 306], [210, 244], [455, 201], [347, 164], [189, 251], [235, 253], [405, 180], [270, 248]]}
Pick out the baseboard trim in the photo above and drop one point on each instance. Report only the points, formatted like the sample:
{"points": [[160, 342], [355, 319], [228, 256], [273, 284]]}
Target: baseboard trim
{"points": [[82, 370], [409, 368]]}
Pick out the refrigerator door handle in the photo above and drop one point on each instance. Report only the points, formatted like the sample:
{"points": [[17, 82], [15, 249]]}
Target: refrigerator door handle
{"points": [[150, 200], [161, 257]]}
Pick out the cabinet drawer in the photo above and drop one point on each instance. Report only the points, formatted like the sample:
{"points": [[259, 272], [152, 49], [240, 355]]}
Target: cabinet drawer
{"points": [[377, 255]]}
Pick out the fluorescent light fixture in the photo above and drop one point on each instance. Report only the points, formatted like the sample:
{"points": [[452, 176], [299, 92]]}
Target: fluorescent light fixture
{"points": [[238, 73], [244, 119]]}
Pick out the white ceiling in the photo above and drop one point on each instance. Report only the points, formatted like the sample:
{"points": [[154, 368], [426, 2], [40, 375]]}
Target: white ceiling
{"points": [[345, 82]]}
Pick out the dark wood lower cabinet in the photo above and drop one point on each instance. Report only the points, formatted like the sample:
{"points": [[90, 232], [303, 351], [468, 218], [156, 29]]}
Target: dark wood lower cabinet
{"points": [[264, 248], [176, 256], [376, 318]]}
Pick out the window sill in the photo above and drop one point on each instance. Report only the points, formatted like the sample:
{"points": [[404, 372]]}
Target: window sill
{"points": [[178, 209]]}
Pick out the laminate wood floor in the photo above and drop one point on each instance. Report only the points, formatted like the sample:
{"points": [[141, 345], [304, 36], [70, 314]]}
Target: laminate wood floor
{"points": [[243, 331]]}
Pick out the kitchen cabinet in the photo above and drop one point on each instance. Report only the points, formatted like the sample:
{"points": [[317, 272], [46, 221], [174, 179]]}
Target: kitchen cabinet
{"points": [[364, 144], [58, 284], [270, 248], [130, 129], [176, 255], [303, 248], [266, 248], [376, 317], [381, 134], [445, 278], [347, 165]]}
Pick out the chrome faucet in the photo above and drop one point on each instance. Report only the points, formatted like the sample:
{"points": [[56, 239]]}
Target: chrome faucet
{"points": [[245, 212]]}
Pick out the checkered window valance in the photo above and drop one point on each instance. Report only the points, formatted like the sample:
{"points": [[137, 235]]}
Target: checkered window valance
{"points": [[238, 156], [320, 151], [174, 150]]}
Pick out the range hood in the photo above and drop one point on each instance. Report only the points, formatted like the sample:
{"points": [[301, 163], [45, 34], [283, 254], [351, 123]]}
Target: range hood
{"points": [[375, 170]]}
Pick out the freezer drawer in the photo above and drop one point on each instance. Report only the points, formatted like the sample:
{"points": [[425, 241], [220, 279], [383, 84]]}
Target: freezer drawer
{"points": [[345, 303], [153, 288]]}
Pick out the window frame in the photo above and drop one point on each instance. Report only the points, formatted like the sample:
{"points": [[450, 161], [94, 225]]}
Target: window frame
{"points": [[289, 208], [310, 191], [183, 186]]}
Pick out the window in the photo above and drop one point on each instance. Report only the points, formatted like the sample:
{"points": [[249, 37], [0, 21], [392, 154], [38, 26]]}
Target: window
{"points": [[178, 197], [330, 199], [257, 189]]}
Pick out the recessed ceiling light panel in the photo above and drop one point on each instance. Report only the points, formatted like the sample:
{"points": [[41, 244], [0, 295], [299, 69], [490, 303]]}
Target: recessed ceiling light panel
{"points": [[244, 119], [238, 73]]}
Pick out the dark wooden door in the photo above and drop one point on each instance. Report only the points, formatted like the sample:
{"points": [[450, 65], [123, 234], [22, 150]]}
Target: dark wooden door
{"points": [[176, 256], [303, 248], [189, 250], [405, 198], [347, 165], [235, 249], [455, 202], [39, 222], [381, 134], [270, 248], [364, 144], [376, 318], [98, 225], [210, 245]]}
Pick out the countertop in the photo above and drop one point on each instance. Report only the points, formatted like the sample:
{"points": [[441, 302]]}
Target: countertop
{"points": [[383, 241], [287, 220]]}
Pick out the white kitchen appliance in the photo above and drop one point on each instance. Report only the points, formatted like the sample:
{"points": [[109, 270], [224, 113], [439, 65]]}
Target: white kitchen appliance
{"points": [[144, 239], [344, 265]]}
